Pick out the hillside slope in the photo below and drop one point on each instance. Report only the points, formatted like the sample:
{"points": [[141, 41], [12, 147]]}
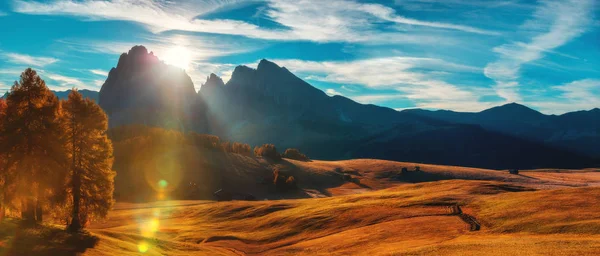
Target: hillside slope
{"points": [[412, 219]]}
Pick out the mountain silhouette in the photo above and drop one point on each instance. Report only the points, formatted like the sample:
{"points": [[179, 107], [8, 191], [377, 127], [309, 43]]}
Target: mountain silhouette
{"points": [[144, 90], [269, 104], [63, 95], [576, 131]]}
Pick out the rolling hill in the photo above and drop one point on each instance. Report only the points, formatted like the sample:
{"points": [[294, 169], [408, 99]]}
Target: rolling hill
{"points": [[514, 214]]}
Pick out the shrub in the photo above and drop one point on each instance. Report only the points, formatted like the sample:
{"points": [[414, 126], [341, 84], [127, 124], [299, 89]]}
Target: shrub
{"points": [[295, 154], [241, 148], [290, 182], [205, 141], [267, 151], [282, 182]]}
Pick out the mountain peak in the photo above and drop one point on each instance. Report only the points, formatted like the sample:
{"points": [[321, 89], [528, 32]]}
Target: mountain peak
{"points": [[137, 56], [264, 64], [213, 80], [512, 110], [141, 89]]}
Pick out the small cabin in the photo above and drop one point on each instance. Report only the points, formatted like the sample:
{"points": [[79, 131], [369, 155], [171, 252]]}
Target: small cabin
{"points": [[513, 171]]}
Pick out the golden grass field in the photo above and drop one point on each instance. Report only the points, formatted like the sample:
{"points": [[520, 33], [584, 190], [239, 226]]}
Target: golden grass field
{"points": [[539, 212]]}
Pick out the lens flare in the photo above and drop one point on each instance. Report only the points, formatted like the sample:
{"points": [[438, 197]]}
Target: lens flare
{"points": [[149, 228], [163, 184], [143, 247], [154, 225]]}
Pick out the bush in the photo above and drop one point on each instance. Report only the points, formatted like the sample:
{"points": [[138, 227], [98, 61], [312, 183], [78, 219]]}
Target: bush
{"points": [[290, 182], [267, 151], [241, 148], [282, 182], [295, 154], [204, 140]]}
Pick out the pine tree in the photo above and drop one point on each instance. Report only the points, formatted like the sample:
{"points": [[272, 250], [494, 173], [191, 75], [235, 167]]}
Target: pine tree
{"points": [[33, 144], [3, 171], [90, 151]]}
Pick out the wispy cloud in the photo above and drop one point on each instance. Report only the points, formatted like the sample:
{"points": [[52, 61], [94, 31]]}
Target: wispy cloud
{"points": [[554, 23], [64, 81], [3, 13], [576, 95], [338, 20], [200, 47], [29, 60], [332, 92], [61, 82], [200, 70], [99, 72], [401, 74], [98, 83]]}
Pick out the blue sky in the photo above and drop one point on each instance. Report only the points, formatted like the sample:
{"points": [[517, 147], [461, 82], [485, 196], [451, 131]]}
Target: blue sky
{"points": [[464, 55]]}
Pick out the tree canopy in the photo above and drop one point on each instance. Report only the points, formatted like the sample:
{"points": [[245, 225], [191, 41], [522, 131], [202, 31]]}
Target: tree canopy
{"points": [[54, 155]]}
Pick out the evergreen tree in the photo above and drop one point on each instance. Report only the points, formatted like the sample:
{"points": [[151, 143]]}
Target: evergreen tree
{"points": [[33, 144], [3, 172], [90, 152]]}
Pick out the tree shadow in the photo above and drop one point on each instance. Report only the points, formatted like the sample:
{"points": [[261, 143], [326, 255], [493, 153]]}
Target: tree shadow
{"points": [[20, 239]]}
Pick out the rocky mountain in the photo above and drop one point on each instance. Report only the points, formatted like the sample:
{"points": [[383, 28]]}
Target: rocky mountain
{"points": [[577, 131], [269, 104], [142, 89]]}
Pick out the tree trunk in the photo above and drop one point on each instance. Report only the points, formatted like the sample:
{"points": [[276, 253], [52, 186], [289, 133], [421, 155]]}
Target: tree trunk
{"points": [[28, 211], [76, 222], [39, 213], [1, 212]]}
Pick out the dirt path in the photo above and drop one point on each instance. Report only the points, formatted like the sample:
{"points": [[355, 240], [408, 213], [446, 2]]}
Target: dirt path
{"points": [[470, 220]]}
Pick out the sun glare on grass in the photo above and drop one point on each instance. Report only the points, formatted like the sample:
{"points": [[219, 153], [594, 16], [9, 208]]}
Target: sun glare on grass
{"points": [[178, 56], [143, 247]]}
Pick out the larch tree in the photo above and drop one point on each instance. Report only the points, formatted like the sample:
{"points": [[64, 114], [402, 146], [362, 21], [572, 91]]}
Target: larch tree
{"points": [[3, 171], [90, 152], [33, 144]]}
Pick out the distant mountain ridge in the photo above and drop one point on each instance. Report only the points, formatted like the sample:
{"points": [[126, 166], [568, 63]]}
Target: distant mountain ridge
{"points": [[270, 104], [577, 131], [63, 95]]}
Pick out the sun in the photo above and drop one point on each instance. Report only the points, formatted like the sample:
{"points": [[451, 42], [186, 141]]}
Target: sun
{"points": [[178, 56]]}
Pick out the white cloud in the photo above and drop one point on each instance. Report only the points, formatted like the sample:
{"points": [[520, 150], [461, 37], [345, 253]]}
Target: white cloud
{"points": [[348, 88], [399, 74], [554, 24], [99, 72], [3, 13], [332, 92], [200, 48], [64, 81], [576, 95], [12, 72], [29, 60], [338, 20], [200, 71], [377, 98], [61, 82]]}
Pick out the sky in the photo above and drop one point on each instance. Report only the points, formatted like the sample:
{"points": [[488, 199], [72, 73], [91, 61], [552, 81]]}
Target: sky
{"points": [[462, 55]]}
